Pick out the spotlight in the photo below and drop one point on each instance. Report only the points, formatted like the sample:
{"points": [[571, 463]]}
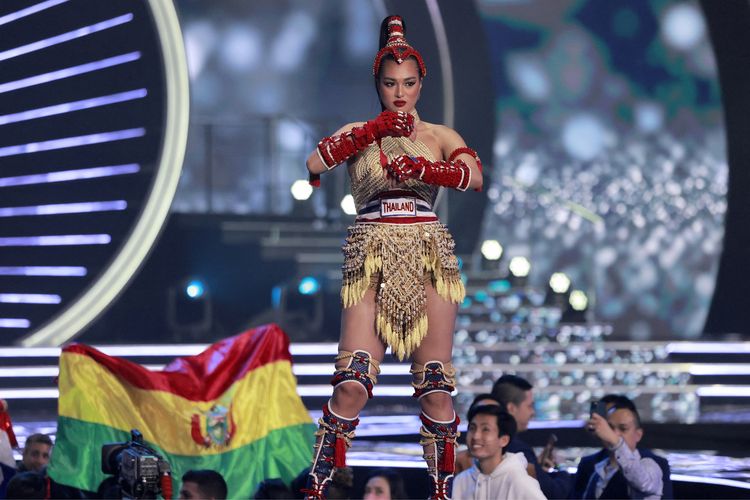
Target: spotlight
{"points": [[195, 289], [578, 306], [519, 266], [308, 286], [578, 300], [189, 310], [301, 190], [492, 250], [683, 27], [299, 306], [347, 205], [559, 282]]}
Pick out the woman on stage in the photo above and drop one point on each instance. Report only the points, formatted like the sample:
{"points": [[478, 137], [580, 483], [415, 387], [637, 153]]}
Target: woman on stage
{"points": [[401, 282]]}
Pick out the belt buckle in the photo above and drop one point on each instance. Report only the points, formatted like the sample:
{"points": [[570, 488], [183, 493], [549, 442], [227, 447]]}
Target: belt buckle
{"points": [[403, 206]]}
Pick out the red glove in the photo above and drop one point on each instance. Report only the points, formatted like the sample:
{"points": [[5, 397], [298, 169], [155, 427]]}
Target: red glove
{"points": [[337, 149], [453, 174]]}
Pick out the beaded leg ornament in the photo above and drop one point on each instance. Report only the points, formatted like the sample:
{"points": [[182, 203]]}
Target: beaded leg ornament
{"points": [[434, 376], [357, 370], [439, 442], [334, 436]]}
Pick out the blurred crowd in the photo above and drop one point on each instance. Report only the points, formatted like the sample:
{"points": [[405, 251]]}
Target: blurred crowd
{"points": [[495, 464]]}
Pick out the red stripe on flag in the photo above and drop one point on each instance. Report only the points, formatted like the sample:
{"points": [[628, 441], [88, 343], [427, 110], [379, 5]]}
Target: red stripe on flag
{"points": [[205, 376]]}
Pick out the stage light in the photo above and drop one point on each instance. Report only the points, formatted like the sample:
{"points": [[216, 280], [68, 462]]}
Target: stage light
{"points": [[519, 266], [301, 190], [347, 205], [189, 310], [578, 300], [499, 286], [492, 250], [195, 289], [683, 27], [308, 286], [559, 282], [276, 294], [584, 136]]}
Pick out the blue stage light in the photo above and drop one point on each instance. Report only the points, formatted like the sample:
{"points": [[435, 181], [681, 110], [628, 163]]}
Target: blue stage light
{"points": [[195, 289], [276, 297], [308, 285]]}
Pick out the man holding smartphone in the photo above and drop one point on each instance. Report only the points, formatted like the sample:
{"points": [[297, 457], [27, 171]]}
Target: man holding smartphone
{"points": [[621, 469]]}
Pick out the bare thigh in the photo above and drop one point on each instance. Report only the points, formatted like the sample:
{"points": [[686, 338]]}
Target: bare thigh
{"points": [[437, 346], [358, 328], [357, 334]]}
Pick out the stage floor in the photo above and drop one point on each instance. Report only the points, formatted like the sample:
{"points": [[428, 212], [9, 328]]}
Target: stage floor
{"points": [[695, 398]]}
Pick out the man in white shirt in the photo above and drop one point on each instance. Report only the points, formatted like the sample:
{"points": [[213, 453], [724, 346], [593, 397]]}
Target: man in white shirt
{"points": [[494, 474]]}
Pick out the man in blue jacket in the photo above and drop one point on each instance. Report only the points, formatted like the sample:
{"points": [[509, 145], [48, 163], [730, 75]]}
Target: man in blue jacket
{"points": [[621, 469]]}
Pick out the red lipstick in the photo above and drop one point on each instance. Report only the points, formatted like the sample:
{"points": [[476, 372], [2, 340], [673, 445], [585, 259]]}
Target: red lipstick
{"points": [[399, 104]]}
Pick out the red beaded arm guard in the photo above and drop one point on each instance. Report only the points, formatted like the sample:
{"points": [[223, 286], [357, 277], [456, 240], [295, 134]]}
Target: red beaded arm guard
{"points": [[453, 174], [468, 151], [335, 150]]}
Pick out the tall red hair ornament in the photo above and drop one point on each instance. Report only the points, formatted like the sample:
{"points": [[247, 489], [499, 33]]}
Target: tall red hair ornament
{"points": [[398, 47]]}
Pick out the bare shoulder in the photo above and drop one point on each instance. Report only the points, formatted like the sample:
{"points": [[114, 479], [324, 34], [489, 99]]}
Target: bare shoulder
{"points": [[444, 133], [440, 131]]}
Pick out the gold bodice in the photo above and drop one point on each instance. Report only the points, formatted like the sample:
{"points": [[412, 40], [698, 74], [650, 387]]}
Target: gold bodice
{"points": [[369, 178]]}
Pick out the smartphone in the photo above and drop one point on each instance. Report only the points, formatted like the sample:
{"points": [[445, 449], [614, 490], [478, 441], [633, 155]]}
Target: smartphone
{"points": [[599, 407]]}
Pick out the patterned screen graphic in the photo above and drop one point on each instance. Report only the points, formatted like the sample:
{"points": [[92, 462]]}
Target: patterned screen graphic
{"points": [[84, 126], [610, 162]]}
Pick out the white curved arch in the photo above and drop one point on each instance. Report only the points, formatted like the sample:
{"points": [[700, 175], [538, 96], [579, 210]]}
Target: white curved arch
{"points": [[113, 280]]}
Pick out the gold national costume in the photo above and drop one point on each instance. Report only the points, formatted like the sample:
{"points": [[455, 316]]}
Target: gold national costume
{"points": [[398, 247], [397, 257]]}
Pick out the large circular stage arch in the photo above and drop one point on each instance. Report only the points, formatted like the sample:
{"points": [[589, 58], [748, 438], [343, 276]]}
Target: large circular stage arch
{"points": [[93, 119]]}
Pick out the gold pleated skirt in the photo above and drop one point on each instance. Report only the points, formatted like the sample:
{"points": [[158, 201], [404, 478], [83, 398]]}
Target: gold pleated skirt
{"points": [[396, 258]]}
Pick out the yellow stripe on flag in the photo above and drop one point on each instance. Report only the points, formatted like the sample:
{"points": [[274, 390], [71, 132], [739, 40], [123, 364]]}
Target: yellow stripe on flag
{"points": [[91, 393]]}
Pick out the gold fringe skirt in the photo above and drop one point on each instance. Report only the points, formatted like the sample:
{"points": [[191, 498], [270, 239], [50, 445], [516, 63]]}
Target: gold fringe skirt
{"points": [[396, 257]]}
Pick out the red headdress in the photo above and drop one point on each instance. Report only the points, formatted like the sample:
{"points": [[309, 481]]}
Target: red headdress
{"points": [[398, 47]]}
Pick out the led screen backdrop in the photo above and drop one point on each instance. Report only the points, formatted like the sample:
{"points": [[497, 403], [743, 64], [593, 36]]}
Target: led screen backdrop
{"points": [[610, 160]]}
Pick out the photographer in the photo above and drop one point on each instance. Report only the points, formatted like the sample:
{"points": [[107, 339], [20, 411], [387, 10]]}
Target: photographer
{"points": [[620, 469]]}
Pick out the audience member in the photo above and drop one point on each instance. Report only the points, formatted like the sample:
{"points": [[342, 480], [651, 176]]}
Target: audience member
{"points": [[384, 484], [36, 453], [28, 484], [463, 457], [272, 489], [342, 484], [109, 489], [496, 473], [207, 484], [621, 469], [517, 398]]}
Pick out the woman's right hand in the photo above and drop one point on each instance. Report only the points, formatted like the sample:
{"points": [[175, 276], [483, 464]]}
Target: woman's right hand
{"points": [[391, 123]]}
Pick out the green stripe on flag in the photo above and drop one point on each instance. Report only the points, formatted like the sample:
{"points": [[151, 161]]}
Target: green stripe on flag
{"points": [[283, 453]]}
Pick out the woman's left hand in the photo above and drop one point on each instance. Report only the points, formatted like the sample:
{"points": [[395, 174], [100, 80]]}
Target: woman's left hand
{"points": [[403, 167]]}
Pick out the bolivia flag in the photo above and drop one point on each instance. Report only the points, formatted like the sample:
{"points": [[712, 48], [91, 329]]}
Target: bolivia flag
{"points": [[233, 408]]}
